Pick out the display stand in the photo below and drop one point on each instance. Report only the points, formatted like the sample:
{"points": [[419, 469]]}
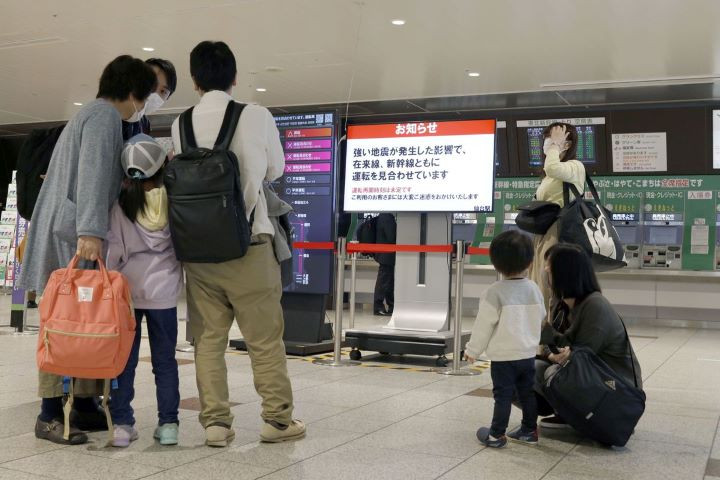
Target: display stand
{"points": [[419, 324], [306, 332], [309, 141]]}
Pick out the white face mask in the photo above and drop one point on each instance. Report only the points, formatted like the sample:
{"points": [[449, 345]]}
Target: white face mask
{"points": [[135, 117], [153, 103]]}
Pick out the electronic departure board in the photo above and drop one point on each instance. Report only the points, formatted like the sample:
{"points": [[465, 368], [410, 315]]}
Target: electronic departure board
{"points": [[590, 148], [586, 148], [308, 185]]}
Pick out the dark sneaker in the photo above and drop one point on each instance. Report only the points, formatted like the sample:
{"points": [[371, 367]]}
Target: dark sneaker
{"points": [[554, 423], [94, 421], [521, 435], [32, 304], [54, 431], [483, 434]]}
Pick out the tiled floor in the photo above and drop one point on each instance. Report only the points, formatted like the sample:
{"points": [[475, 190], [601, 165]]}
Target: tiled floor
{"points": [[371, 423]]}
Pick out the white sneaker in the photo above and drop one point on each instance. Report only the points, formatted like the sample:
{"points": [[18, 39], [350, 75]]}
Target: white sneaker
{"points": [[219, 436], [271, 434]]}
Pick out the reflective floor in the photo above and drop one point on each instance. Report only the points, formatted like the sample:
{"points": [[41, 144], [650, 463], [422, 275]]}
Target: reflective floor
{"points": [[377, 423]]}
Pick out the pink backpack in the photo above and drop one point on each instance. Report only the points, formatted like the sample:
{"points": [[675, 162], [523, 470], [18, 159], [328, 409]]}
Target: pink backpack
{"points": [[87, 327]]}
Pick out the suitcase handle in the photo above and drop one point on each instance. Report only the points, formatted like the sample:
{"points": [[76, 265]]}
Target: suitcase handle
{"points": [[66, 289]]}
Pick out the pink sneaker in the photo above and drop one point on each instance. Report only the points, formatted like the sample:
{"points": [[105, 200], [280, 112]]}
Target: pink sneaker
{"points": [[123, 435]]}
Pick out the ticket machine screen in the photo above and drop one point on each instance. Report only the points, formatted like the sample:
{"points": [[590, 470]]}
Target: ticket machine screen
{"points": [[629, 235], [663, 235]]}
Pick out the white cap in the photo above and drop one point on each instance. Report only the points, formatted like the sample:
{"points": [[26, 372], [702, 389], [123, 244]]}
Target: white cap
{"points": [[142, 157]]}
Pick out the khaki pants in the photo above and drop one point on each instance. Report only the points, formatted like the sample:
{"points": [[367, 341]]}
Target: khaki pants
{"points": [[248, 290]]}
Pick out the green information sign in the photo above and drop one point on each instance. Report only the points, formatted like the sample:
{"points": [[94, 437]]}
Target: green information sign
{"points": [[695, 199]]}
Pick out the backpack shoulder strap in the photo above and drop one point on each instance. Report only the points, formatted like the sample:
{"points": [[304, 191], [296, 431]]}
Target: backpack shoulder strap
{"points": [[187, 135], [229, 125]]}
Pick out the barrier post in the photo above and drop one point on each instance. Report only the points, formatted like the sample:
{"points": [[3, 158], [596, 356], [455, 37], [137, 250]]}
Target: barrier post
{"points": [[339, 290], [457, 327], [189, 347], [353, 286]]}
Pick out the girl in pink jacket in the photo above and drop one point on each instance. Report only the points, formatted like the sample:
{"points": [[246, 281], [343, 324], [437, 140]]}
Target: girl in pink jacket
{"points": [[139, 246]]}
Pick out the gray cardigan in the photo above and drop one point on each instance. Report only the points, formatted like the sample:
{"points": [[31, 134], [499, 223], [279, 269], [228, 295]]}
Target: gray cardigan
{"points": [[595, 324], [83, 181]]}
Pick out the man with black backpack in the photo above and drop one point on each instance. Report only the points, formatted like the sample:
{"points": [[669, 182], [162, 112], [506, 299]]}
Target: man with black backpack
{"points": [[222, 233]]}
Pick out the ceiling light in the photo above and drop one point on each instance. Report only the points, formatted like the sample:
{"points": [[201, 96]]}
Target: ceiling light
{"points": [[398, 22], [473, 74], [78, 104], [149, 49], [261, 89]]}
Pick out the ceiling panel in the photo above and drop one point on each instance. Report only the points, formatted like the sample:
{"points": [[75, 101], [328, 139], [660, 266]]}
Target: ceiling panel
{"points": [[332, 51]]}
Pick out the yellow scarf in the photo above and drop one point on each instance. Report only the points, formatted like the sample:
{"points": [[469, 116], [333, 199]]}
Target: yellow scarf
{"points": [[155, 216]]}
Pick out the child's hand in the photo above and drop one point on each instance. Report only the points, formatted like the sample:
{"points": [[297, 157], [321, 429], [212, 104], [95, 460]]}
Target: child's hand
{"points": [[469, 359]]}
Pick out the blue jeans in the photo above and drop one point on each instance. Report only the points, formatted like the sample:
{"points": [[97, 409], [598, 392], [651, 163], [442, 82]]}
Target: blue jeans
{"points": [[162, 331], [508, 377]]}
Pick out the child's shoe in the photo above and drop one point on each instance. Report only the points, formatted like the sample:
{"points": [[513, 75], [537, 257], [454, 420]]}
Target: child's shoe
{"points": [[167, 434], [523, 435], [483, 434], [123, 435]]}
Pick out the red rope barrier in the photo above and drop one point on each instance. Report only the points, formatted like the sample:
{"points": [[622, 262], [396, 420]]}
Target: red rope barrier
{"points": [[390, 248], [387, 248], [478, 251], [314, 245]]}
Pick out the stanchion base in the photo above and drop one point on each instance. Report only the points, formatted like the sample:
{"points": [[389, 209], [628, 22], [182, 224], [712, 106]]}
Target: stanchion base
{"points": [[329, 362], [25, 333], [461, 372]]}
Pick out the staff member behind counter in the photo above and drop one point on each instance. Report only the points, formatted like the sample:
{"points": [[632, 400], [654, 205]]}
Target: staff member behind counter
{"points": [[559, 150]]}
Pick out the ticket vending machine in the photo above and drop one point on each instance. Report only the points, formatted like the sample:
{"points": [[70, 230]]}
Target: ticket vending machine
{"points": [[717, 242], [630, 231], [509, 223], [662, 241], [464, 227]]}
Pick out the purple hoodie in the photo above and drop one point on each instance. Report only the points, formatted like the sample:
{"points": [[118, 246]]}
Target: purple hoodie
{"points": [[148, 261]]}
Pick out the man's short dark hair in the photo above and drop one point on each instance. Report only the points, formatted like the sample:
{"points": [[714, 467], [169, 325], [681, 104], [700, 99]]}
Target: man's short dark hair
{"points": [[511, 252], [571, 272], [127, 75], [168, 69], [212, 66]]}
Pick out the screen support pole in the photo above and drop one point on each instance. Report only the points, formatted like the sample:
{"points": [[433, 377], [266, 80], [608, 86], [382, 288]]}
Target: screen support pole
{"points": [[422, 281]]}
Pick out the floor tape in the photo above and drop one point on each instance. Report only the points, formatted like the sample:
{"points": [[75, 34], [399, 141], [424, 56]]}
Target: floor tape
{"points": [[479, 366]]}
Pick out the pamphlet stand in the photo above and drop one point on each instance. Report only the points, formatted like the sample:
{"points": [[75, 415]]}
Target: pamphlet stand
{"points": [[419, 324]]}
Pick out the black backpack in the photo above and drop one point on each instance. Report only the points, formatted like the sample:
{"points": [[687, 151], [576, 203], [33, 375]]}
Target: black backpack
{"points": [[367, 231], [206, 206], [33, 162], [595, 400]]}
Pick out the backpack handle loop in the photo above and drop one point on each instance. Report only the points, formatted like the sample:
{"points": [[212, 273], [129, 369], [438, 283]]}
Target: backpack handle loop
{"points": [[66, 287]]}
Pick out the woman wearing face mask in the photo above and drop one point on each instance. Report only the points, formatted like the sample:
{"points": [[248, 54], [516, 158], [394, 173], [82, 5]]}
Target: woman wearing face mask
{"points": [[166, 84], [560, 149], [586, 319], [72, 214]]}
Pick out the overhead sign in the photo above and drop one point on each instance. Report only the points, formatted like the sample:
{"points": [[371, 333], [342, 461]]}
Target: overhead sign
{"points": [[639, 152]]}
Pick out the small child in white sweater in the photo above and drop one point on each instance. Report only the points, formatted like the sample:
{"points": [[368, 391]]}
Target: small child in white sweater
{"points": [[507, 329]]}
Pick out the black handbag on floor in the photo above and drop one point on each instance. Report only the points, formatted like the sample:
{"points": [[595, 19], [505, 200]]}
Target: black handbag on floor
{"points": [[595, 400], [587, 223], [537, 216]]}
